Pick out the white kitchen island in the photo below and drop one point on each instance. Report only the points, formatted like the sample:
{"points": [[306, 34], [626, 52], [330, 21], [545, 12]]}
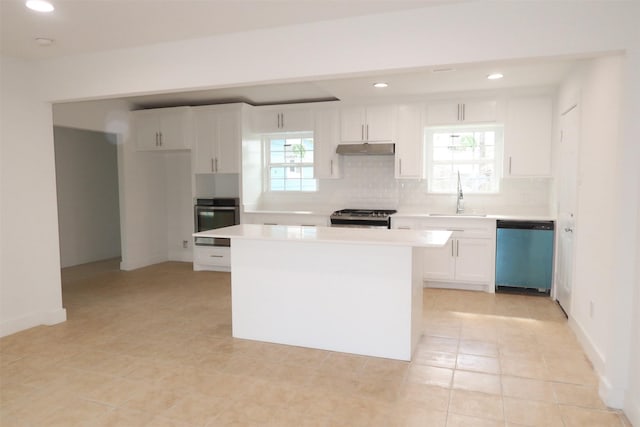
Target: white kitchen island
{"points": [[342, 289]]}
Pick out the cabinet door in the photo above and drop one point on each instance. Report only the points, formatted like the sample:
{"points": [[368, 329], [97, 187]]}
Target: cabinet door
{"points": [[147, 131], [409, 142], [325, 139], [443, 113], [265, 120], [205, 135], [483, 111], [296, 120], [527, 137], [352, 124], [273, 120], [479, 111], [439, 263], [380, 123], [473, 260], [229, 142], [174, 130]]}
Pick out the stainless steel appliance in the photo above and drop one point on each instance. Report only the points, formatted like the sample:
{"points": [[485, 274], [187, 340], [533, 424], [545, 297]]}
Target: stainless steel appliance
{"points": [[215, 213], [362, 218], [524, 255]]}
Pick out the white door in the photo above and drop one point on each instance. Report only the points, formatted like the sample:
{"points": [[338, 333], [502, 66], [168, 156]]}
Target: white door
{"points": [[567, 205]]}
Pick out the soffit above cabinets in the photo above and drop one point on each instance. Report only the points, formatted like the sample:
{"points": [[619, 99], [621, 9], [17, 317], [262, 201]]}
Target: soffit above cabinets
{"points": [[413, 83]]}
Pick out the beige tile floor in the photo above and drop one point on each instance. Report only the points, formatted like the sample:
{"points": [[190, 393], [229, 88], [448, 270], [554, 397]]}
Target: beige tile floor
{"points": [[153, 347]]}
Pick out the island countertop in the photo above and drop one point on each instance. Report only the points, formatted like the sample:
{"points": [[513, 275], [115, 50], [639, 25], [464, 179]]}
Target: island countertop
{"points": [[364, 236]]}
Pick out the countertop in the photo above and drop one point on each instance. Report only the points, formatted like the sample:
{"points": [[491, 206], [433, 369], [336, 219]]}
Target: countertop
{"points": [[474, 216], [296, 233]]}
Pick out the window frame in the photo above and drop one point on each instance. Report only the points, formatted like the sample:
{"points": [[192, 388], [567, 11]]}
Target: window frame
{"points": [[497, 160], [267, 164]]}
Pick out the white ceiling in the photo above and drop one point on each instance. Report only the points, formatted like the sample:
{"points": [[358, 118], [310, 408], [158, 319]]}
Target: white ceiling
{"points": [[84, 26]]}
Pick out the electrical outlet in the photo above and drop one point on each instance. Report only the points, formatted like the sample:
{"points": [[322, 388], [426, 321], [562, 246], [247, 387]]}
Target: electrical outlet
{"points": [[591, 309], [185, 244]]}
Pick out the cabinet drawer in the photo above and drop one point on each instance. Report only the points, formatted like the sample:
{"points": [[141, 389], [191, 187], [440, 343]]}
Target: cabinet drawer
{"points": [[212, 255]]}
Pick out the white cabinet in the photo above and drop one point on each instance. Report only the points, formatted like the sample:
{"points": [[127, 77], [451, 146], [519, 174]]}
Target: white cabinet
{"points": [[409, 141], [211, 258], [373, 123], [527, 136], [217, 139], [269, 119], [325, 140], [473, 111], [467, 261], [162, 129], [285, 218]]}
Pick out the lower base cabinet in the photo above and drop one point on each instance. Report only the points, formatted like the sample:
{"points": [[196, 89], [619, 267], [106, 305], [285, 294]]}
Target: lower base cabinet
{"points": [[211, 258], [462, 260], [466, 262]]}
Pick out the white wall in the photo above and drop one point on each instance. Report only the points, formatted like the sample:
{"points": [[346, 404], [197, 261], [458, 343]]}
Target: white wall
{"points": [[179, 207], [30, 289], [417, 38], [88, 206]]}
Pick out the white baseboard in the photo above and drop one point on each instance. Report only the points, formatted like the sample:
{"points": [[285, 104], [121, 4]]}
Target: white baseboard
{"points": [[12, 326], [459, 286], [133, 264], [632, 409], [613, 397]]}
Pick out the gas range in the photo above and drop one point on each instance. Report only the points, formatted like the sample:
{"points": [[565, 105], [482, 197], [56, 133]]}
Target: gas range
{"points": [[362, 218]]}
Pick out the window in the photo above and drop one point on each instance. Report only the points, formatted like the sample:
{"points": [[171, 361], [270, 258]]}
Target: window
{"points": [[290, 162], [473, 151]]}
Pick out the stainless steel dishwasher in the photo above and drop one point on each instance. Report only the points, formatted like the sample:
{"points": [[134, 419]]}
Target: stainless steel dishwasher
{"points": [[524, 255]]}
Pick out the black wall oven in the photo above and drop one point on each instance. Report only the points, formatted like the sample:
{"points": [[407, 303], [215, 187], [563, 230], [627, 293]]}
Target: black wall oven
{"points": [[215, 213]]}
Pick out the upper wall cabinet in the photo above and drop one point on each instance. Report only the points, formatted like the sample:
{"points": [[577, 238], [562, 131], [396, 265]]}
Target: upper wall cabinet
{"points": [[162, 129], [325, 140], [217, 138], [447, 113], [409, 141], [291, 118], [367, 124], [527, 136]]}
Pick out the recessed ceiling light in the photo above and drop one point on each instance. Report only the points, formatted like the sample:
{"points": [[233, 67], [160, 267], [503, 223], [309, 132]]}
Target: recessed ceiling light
{"points": [[39, 5], [495, 76], [380, 84], [43, 41]]}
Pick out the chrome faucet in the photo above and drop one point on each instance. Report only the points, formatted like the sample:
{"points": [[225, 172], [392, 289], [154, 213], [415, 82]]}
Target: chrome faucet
{"points": [[460, 201]]}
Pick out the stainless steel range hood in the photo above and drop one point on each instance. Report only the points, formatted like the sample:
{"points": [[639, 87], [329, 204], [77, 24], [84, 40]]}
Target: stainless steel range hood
{"points": [[365, 149]]}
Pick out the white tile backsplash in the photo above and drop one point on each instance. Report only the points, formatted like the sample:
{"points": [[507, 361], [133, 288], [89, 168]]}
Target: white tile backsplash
{"points": [[369, 182]]}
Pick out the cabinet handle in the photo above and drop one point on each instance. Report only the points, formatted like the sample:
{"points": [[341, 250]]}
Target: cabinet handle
{"points": [[455, 229], [270, 223], [459, 113], [212, 167], [362, 132], [457, 248], [216, 163], [400, 166], [452, 243], [509, 165], [215, 256], [282, 119], [404, 227], [160, 139], [464, 112], [156, 139], [331, 167], [367, 132]]}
